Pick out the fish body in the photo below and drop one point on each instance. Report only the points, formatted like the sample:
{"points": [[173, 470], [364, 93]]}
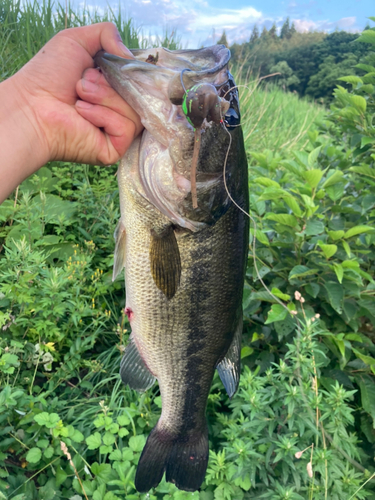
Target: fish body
{"points": [[184, 266]]}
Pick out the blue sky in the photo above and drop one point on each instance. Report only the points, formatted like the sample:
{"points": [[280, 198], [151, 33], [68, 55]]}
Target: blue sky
{"points": [[202, 21]]}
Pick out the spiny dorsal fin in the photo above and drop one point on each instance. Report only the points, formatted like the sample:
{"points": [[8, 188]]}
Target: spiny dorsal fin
{"points": [[119, 255], [229, 368], [165, 261], [133, 369]]}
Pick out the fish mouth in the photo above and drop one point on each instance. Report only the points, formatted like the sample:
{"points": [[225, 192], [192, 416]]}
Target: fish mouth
{"points": [[154, 83]]}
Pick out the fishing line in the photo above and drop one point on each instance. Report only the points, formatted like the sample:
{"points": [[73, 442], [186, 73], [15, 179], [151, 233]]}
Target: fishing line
{"points": [[244, 211]]}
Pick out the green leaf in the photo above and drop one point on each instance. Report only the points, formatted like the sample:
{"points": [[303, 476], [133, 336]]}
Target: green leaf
{"points": [[265, 181], [367, 388], [280, 295], [351, 79], [367, 36], [102, 472], [339, 271], [367, 140], [346, 246], [286, 219], [261, 237], [335, 177], [358, 102], [328, 250], [123, 432], [116, 455], [364, 170], [313, 177], [276, 313], [246, 351], [313, 156], [314, 227], [285, 327], [300, 271], [365, 67], [293, 205], [48, 452], [354, 231], [33, 455], [136, 443], [368, 360], [49, 420], [61, 475], [350, 264], [108, 438], [123, 420], [94, 441], [313, 289], [77, 436], [336, 235], [335, 294]]}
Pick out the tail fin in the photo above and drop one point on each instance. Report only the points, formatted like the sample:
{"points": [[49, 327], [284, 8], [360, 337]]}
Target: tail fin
{"points": [[184, 462]]}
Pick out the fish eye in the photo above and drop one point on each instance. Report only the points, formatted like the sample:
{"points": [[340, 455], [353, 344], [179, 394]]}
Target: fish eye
{"points": [[231, 119]]}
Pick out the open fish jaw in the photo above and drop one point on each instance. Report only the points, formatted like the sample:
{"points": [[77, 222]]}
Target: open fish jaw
{"points": [[184, 267]]}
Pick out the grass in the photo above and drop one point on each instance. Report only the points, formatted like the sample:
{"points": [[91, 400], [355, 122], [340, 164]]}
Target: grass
{"points": [[273, 119]]}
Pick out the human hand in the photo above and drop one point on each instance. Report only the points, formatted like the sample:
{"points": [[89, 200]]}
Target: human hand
{"points": [[51, 83], [49, 112]]}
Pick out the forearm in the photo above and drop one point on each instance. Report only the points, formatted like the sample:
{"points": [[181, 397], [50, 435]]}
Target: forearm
{"points": [[22, 149]]}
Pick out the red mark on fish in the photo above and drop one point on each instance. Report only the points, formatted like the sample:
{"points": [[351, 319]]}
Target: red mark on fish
{"points": [[129, 313]]}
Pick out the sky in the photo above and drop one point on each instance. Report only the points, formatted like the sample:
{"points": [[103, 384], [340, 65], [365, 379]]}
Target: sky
{"points": [[201, 22]]}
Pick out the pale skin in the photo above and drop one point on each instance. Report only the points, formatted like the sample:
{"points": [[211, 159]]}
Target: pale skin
{"points": [[59, 107]]}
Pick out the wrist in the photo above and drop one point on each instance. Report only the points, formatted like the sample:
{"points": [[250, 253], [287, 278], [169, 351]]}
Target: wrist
{"points": [[23, 145]]}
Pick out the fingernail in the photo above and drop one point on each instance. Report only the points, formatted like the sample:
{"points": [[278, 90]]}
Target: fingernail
{"points": [[89, 86], [125, 50], [83, 104]]}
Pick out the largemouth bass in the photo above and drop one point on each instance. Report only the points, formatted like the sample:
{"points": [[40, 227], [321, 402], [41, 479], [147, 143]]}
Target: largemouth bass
{"points": [[184, 264]]}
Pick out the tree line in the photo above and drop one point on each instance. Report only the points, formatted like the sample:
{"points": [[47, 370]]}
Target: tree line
{"points": [[309, 63]]}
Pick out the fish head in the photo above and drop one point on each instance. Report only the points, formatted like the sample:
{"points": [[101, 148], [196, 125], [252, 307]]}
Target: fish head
{"points": [[175, 94]]}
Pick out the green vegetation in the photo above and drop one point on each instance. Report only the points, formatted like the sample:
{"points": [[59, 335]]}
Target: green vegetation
{"points": [[309, 63], [302, 423]]}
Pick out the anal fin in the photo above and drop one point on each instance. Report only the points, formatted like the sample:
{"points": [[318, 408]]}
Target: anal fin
{"points": [[230, 367], [165, 261], [133, 369], [119, 255]]}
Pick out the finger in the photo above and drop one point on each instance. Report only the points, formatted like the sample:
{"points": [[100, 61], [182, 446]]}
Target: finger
{"points": [[119, 129], [100, 36], [102, 94], [95, 75]]}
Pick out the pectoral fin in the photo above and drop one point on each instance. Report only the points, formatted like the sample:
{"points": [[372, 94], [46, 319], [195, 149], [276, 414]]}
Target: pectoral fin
{"points": [[165, 261], [119, 255], [133, 369], [229, 368]]}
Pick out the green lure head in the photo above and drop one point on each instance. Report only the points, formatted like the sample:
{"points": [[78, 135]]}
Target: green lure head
{"points": [[203, 102]]}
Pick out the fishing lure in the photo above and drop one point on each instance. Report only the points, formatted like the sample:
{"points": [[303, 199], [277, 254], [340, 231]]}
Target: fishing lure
{"points": [[201, 102]]}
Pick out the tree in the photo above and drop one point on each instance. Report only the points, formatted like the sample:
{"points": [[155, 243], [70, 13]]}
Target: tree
{"points": [[254, 34], [286, 79], [264, 34], [223, 39], [292, 30], [273, 31], [285, 29]]}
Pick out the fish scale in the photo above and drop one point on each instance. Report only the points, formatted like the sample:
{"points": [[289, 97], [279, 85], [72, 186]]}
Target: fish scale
{"points": [[184, 268]]}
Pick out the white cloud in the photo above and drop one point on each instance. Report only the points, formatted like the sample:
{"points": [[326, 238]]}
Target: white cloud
{"points": [[346, 23]]}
